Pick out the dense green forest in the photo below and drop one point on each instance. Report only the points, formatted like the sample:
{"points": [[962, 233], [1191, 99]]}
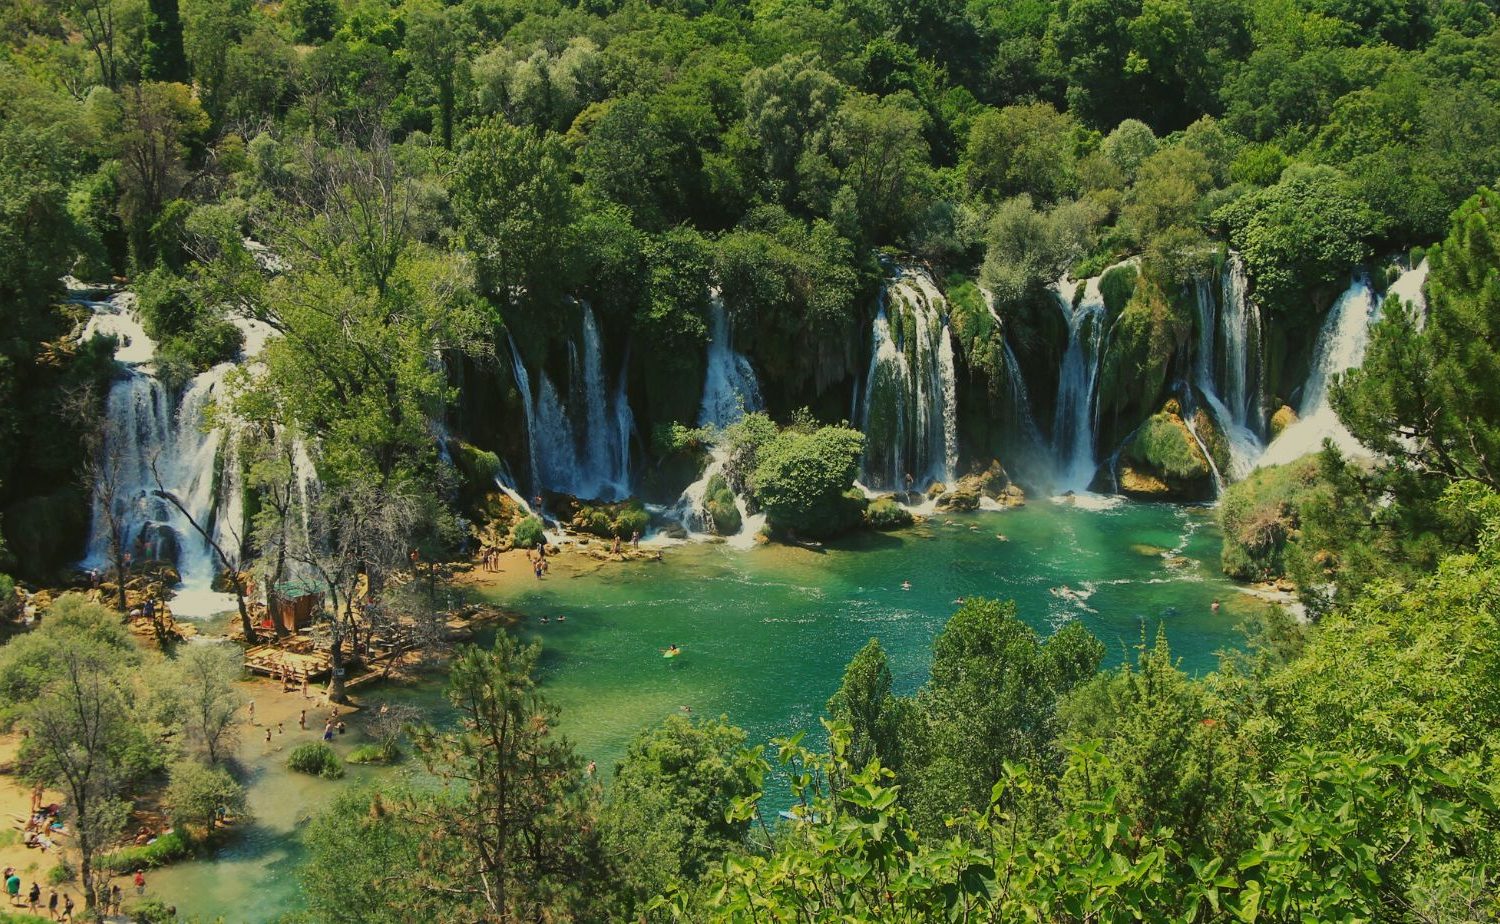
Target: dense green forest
{"points": [[407, 194]]}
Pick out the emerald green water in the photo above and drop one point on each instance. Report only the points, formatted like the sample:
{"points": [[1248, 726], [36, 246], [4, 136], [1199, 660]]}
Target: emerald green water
{"points": [[765, 635]]}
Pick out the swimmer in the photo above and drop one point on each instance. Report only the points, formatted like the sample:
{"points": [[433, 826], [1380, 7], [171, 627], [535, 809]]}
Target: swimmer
{"points": [[906, 585], [959, 601], [545, 620], [1002, 537], [562, 619], [1214, 606]]}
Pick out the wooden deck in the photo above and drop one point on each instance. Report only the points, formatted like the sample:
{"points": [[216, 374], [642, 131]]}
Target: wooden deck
{"points": [[273, 662]]}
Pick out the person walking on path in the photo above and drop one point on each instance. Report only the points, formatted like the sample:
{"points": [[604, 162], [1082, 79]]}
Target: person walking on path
{"points": [[52, 905], [34, 897], [67, 912]]}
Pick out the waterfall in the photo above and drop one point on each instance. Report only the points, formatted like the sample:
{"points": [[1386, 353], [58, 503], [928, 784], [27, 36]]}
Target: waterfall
{"points": [[1341, 346], [1077, 384], [581, 445], [1231, 388], [910, 403], [730, 388], [143, 428]]}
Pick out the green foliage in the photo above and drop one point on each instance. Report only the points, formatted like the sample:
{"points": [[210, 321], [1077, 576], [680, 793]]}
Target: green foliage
{"points": [[1426, 393], [198, 795], [670, 814], [374, 754], [1259, 516], [316, 759], [1029, 248], [29, 662], [528, 534], [803, 480], [1116, 288], [1021, 149], [168, 847], [1307, 231]]}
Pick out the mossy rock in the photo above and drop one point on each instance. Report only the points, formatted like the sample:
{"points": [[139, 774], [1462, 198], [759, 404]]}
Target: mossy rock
{"points": [[1163, 461], [991, 482], [1283, 418], [1213, 439], [886, 513]]}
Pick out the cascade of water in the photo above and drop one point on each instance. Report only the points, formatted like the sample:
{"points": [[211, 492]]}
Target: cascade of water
{"points": [[1239, 332], [1077, 383], [580, 446], [145, 438], [730, 388], [910, 403], [1341, 346], [1234, 406]]}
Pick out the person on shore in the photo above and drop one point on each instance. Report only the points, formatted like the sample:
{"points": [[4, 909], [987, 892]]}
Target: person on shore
{"points": [[268, 737], [328, 730], [252, 712], [13, 886], [116, 898], [302, 720], [67, 912], [52, 905], [140, 881], [635, 540], [304, 684], [279, 729], [34, 897]]}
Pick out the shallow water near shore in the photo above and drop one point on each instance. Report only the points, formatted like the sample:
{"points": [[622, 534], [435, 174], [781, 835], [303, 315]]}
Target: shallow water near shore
{"points": [[765, 635]]}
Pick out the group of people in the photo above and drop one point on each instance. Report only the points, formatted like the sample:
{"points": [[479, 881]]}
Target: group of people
{"points": [[59, 907], [492, 559], [538, 559]]}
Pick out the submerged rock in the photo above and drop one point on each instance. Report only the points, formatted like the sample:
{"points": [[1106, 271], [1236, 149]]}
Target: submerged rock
{"points": [[958, 500]]}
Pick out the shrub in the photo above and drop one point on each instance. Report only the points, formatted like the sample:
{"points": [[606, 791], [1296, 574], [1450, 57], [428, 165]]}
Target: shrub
{"points": [[803, 481], [61, 873], [168, 848], [316, 759], [528, 533], [886, 513]]}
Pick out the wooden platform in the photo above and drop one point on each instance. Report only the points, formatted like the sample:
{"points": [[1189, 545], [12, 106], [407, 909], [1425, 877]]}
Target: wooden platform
{"points": [[273, 661]]}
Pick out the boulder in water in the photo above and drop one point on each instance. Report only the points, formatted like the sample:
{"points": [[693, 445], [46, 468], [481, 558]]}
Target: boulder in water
{"points": [[1163, 460], [992, 482], [959, 500], [887, 513]]}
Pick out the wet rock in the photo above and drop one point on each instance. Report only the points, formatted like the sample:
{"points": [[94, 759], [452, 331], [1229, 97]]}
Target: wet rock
{"points": [[960, 500]]}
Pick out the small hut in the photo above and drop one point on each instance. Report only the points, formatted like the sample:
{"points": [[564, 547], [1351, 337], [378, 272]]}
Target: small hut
{"points": [[293, 605]]}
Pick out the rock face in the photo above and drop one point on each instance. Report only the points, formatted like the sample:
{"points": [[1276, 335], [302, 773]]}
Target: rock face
{"points": [[1163, 461], [605, 519], [992, 482]]}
